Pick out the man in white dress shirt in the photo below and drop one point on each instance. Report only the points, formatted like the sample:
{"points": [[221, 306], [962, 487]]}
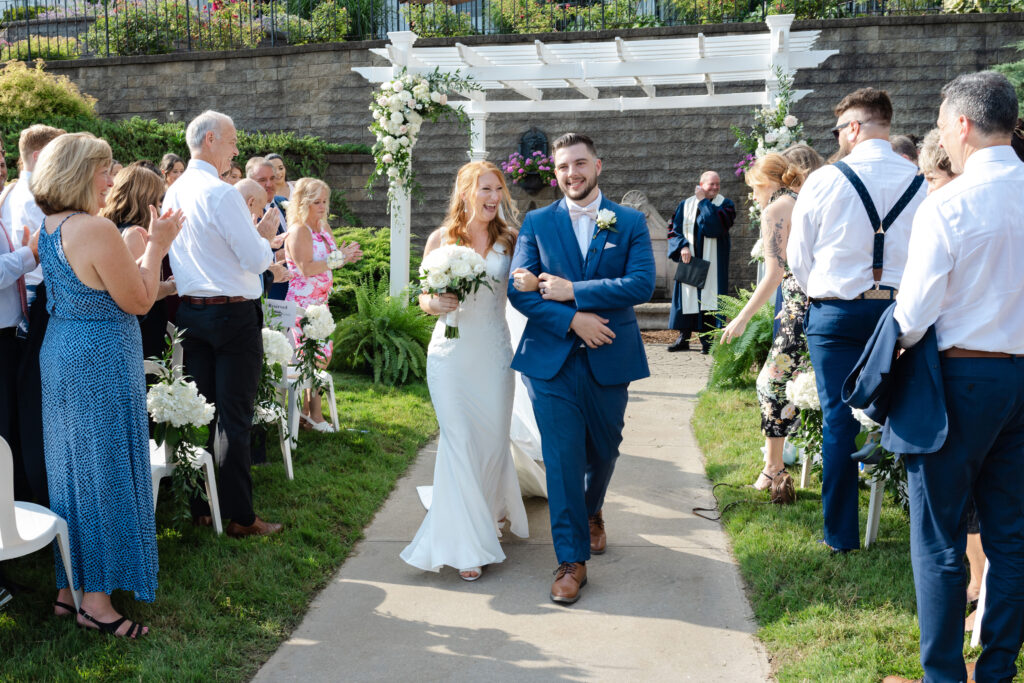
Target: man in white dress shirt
{"points": [[963, 276], [847, 248], [217, 260]]}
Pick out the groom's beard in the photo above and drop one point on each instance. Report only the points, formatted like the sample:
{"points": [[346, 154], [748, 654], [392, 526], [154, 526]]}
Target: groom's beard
{"points": [[581, 193]]}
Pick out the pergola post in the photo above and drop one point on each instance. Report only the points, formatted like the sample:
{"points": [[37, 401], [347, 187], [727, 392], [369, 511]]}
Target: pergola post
{"points": [[399, 52], [478, 130], [778, 53]]}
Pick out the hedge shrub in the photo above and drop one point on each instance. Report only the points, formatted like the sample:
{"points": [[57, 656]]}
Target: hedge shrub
{"points": [[36, 95]]}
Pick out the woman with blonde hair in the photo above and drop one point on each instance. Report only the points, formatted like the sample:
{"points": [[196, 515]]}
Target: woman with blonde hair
{"points": [[135, 189], [94, 395], [774, 182], [306, 246], [471, 385]]}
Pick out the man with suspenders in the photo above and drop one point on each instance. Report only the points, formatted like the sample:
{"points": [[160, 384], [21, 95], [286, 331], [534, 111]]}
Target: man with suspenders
{"points": [[847, 249]]}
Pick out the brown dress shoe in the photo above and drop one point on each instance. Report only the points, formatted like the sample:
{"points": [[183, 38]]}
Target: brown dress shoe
{"points": [[257, 528], [598, 539], [570, 577]]}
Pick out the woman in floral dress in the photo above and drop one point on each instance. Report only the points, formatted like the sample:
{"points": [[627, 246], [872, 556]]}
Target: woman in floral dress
{"points": [[307, 246], [775, 182]]}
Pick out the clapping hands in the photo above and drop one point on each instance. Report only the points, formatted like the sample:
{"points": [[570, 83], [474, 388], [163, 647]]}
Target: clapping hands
{"points": [[164, 228]]}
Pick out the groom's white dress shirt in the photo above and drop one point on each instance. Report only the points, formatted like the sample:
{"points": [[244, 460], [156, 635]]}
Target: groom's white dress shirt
{"points": [[583, 226], [966, 251], [831, 240], [218, 251]]}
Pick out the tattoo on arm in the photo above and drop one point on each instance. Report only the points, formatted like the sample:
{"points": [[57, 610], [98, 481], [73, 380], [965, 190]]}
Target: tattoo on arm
{"points": [[774, 246]]}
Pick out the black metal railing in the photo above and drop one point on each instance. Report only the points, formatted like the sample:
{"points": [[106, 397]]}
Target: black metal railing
{"points": [[67, 29]]}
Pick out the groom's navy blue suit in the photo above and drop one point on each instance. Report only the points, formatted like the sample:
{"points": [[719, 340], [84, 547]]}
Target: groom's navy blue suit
{"points": [[579, 394]]}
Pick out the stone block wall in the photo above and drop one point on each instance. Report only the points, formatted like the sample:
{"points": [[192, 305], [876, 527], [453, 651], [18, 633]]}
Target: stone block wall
{"points": [[662, 153]]}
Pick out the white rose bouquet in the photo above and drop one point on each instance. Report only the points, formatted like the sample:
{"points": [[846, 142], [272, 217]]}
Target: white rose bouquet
{"points": [[182, 417], [456, 270], [317, 327]]}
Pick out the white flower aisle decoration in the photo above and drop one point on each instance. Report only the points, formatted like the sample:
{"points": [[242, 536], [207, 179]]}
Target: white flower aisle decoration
{"points": [[774, 130], [453, 269], [317, 326], [802, 392], [399, 108], [182, 417], [886, 465], [277, 353]]}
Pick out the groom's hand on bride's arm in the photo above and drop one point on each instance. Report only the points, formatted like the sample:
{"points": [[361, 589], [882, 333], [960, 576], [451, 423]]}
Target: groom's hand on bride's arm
{"points": [[554, 288], [592, 329]]}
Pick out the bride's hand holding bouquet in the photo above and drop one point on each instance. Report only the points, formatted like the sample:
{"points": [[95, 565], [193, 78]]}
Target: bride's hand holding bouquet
{"points": [[447, 275]]}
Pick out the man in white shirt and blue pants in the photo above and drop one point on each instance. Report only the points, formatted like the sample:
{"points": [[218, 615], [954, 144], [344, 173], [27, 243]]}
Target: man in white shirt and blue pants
{"points": [[963, 276], [847, 248], [217, 261]]}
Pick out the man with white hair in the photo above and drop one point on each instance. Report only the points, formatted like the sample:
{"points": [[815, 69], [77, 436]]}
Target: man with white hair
{"points": [[217, 260], [700, 228]]}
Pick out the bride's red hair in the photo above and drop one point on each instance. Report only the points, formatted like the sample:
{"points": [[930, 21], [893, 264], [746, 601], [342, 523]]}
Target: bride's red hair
{"points": [[454, 229]]}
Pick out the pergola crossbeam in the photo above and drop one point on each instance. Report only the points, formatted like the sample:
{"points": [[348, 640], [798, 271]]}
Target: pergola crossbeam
{"points": [[622, 53], [546, 56], [474, 58]]}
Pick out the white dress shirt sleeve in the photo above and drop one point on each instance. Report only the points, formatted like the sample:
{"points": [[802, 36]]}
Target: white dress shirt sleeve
{"points": [[926, 276], [235, 225], [803, 232], [14, 264]]}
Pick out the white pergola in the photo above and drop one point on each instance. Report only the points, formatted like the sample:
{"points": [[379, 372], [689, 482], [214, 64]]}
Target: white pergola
{"points": [[588, 68]]}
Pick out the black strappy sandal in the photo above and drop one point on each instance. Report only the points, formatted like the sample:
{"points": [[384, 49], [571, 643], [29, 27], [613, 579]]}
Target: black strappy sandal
{"points": [[70, 609], [110, 628], [770, 477]]}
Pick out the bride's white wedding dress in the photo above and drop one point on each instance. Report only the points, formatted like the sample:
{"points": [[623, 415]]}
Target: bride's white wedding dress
{"points": [[475, 483]]}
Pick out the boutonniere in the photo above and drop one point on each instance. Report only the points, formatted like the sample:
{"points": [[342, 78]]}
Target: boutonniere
{"points": [[606, 221], [283, 204]]}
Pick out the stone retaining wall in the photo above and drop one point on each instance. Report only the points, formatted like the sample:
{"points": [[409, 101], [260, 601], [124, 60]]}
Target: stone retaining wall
{"points": [[662, 153]]}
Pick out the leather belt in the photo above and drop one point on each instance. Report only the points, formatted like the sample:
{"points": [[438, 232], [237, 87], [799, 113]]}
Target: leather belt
{"points": [[957, 352], [213, 300], [886, 294]]}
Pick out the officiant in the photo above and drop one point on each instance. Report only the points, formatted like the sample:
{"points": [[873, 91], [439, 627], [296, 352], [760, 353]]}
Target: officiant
{"points": [[700, 229]]}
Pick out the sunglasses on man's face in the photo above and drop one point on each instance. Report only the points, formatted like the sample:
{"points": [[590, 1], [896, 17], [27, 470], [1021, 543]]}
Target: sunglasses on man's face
{"points": [[835, 131]]}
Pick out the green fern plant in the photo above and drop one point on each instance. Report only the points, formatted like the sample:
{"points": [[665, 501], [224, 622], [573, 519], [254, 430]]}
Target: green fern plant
{"points": [[738, 362], [385, 336]]}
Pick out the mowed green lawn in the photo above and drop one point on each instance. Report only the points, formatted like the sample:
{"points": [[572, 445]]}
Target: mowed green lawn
{"points": [[224, 605], [822, 617]]}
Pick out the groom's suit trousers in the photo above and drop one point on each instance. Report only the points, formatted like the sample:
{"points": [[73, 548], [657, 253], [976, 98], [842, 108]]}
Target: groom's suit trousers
{"points": [[582, 426]]}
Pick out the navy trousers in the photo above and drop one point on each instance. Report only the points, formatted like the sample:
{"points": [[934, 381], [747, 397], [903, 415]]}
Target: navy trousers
{"points": [[983, 453], [580, 425], [837, 332]]}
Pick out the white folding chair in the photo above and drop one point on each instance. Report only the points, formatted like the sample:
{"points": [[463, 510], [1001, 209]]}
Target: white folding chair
{"points": [[160, 468], [980, 612], [874, 507], [27, 527]]}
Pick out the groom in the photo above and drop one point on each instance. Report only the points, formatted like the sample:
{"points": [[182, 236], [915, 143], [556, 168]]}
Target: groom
{"points": [[581, 347]]}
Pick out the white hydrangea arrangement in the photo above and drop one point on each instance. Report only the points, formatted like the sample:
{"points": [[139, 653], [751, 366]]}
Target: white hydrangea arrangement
{"points": [[866, 423], [179, 404], [802, 391], [318, 322], [453, 269], [399, 109], [276, 349], [317, 326], [277, 354]]}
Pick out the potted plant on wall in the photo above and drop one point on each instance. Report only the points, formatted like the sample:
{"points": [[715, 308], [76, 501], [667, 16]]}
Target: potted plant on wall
{"points": [[532, 173]]}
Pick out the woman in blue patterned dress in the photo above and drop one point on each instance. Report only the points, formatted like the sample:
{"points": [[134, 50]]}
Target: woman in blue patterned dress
{"points": [[94, 395]]}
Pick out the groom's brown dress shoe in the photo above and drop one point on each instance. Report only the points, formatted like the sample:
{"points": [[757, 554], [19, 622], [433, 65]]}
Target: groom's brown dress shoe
{"points": [[257, 528], [570, 577], [598, 539]]}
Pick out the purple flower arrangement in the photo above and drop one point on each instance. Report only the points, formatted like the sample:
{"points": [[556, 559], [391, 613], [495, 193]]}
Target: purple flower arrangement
{"points": [[518, 167], [743, 164]]}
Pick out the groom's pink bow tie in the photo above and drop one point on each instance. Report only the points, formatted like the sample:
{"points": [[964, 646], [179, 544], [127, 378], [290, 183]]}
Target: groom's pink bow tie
{"points": [[578, 211]]}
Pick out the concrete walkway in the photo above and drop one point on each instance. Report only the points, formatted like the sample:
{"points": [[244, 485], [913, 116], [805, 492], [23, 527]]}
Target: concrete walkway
{"points": [[664, 603]]}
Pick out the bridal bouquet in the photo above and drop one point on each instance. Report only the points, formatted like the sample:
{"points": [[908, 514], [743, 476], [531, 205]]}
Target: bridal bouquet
{"points": [[456, 270], [317, 325], [181, 415]]}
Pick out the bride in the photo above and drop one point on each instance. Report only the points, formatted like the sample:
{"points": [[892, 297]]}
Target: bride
{"points": [[471, 385]]}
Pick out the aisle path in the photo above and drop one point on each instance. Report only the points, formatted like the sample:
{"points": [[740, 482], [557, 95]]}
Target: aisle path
{"points": [[665, 603]]}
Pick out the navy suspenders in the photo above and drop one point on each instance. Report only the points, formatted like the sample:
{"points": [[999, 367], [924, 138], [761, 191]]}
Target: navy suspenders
{"points": [[879, 226]]}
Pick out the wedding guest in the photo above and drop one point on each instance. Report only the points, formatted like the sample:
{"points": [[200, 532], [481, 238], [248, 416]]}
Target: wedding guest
{"points": [[171, 166], [233, 174], [262, 171], [282, 186], [94, 395], [934, 162], [836, 254], [20, 213], [307, 246], [3, 170], [700, 228], [1017, 141], [146, 163], [905, 146], [254, 195], [775, 183], [115, 168], [135, 189], [475, 485], [217, 262], [963, 277], [581, 347]]}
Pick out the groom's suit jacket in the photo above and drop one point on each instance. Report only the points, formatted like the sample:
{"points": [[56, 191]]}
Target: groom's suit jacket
{"points": [[617, 274]]}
